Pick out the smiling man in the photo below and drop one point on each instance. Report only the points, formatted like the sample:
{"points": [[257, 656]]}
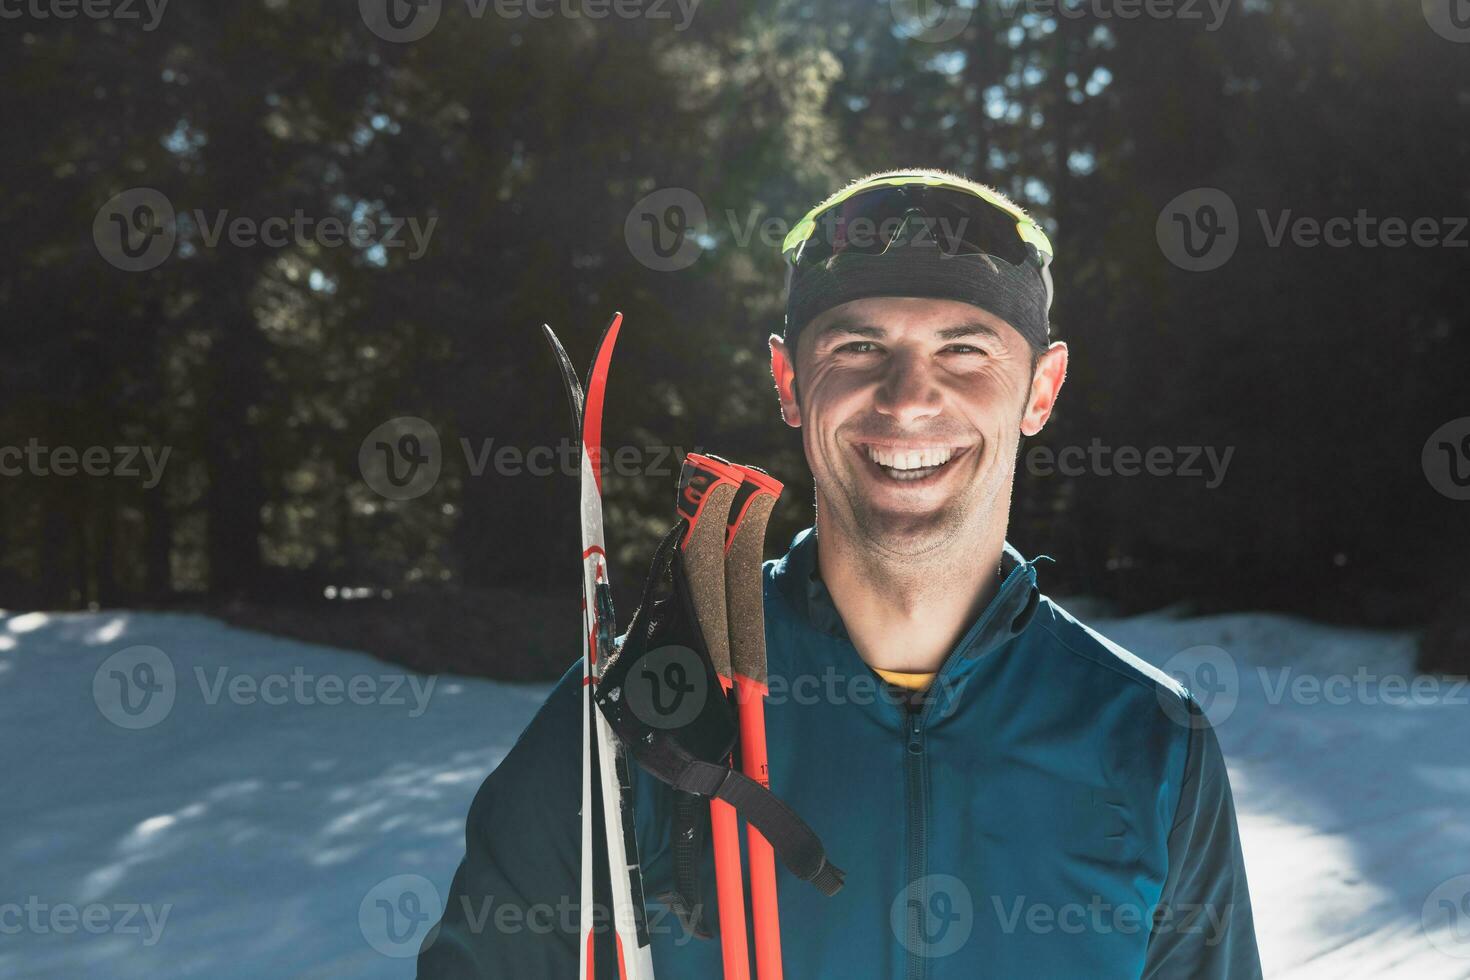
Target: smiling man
{"points": [[912, 411], [1011, 794]]}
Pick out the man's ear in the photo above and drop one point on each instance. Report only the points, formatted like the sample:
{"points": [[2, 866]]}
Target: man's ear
{"points": [[783, 370], [1046, 382]]}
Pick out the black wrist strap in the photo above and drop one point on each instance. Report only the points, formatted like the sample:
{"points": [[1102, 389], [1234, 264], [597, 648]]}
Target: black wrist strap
{"points": [[795, 843]]}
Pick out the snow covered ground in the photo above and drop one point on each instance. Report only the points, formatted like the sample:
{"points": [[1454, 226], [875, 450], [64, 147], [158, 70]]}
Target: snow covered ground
{"points": [[184, 799]]}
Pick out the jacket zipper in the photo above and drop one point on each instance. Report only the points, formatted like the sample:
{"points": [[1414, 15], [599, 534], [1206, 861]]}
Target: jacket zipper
{"points": [[915, 716], [914, 778]]}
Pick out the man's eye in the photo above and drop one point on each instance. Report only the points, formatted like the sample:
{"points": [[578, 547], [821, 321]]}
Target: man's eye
{"points": [[963, 349], [858, 347]]}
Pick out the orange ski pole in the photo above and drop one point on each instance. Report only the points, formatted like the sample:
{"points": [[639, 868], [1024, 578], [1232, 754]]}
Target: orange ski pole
{"points": [[706, 487], [744, 545]]}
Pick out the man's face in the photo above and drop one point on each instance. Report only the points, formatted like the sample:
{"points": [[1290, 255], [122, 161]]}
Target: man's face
{"points": [[911, 413]]}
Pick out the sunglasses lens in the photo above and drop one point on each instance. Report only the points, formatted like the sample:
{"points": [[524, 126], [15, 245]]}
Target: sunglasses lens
{"points": [[954, 222]]}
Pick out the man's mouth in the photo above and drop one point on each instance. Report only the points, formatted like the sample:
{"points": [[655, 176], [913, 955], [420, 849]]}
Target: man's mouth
{"points": [[910, 464]]}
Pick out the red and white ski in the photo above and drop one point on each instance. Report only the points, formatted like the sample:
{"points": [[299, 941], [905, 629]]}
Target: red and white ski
{"points": [[605, 774]]}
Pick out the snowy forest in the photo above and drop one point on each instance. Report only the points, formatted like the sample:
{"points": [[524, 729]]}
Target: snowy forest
{"points": [[276, 404]]}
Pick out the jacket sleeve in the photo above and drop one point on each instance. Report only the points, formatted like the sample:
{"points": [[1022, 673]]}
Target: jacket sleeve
{"points": [[512, 910], [1203, 927]]}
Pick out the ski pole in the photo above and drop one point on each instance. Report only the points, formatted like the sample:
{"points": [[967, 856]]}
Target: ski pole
{"points": [[744, 545], [706, 487]]}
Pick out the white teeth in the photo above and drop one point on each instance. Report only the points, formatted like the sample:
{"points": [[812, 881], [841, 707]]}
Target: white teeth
{"points": [[910, 459]]}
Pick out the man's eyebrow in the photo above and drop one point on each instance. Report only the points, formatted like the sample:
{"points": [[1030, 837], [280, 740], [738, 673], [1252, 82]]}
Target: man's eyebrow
{"points": [[972, 329], [854, 328]]}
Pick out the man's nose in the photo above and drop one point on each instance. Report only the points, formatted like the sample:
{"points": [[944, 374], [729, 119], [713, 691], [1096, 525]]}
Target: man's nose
{"points": [[907, 392]]}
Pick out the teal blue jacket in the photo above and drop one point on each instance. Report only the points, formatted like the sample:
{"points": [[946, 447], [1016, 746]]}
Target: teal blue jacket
{"points": [[1056, 808]]}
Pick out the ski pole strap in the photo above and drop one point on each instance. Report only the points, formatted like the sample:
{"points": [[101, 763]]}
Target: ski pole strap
{"points": [[795, 843]]}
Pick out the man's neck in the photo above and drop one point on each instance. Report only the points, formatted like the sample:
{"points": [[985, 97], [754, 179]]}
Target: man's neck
{"points": [[908, 615]]}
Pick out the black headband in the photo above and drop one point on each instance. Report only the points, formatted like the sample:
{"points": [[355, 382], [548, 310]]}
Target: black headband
{"points": [[1013, 293]]}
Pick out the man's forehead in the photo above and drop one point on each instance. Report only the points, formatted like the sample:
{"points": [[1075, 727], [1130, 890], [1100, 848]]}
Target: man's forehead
{"points": [[891, 319]]}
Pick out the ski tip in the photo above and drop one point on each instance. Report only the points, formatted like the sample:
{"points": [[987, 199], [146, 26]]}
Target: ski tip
{"points": [[612, 327], [596, 391], [555, 341]]}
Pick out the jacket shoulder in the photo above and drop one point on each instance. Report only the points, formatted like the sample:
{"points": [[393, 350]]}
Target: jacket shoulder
{"points": [[1121, 665]]}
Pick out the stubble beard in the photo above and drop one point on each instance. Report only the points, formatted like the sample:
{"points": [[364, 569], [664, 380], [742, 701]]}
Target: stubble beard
{"points": [[917, 541]]}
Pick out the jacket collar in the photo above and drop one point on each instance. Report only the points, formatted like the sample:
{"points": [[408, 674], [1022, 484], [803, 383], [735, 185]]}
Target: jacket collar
{"points": [[1007, 615]]}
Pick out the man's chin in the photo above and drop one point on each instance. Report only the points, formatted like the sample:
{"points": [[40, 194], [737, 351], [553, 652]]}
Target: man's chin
{"points": [[906, 531]]}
